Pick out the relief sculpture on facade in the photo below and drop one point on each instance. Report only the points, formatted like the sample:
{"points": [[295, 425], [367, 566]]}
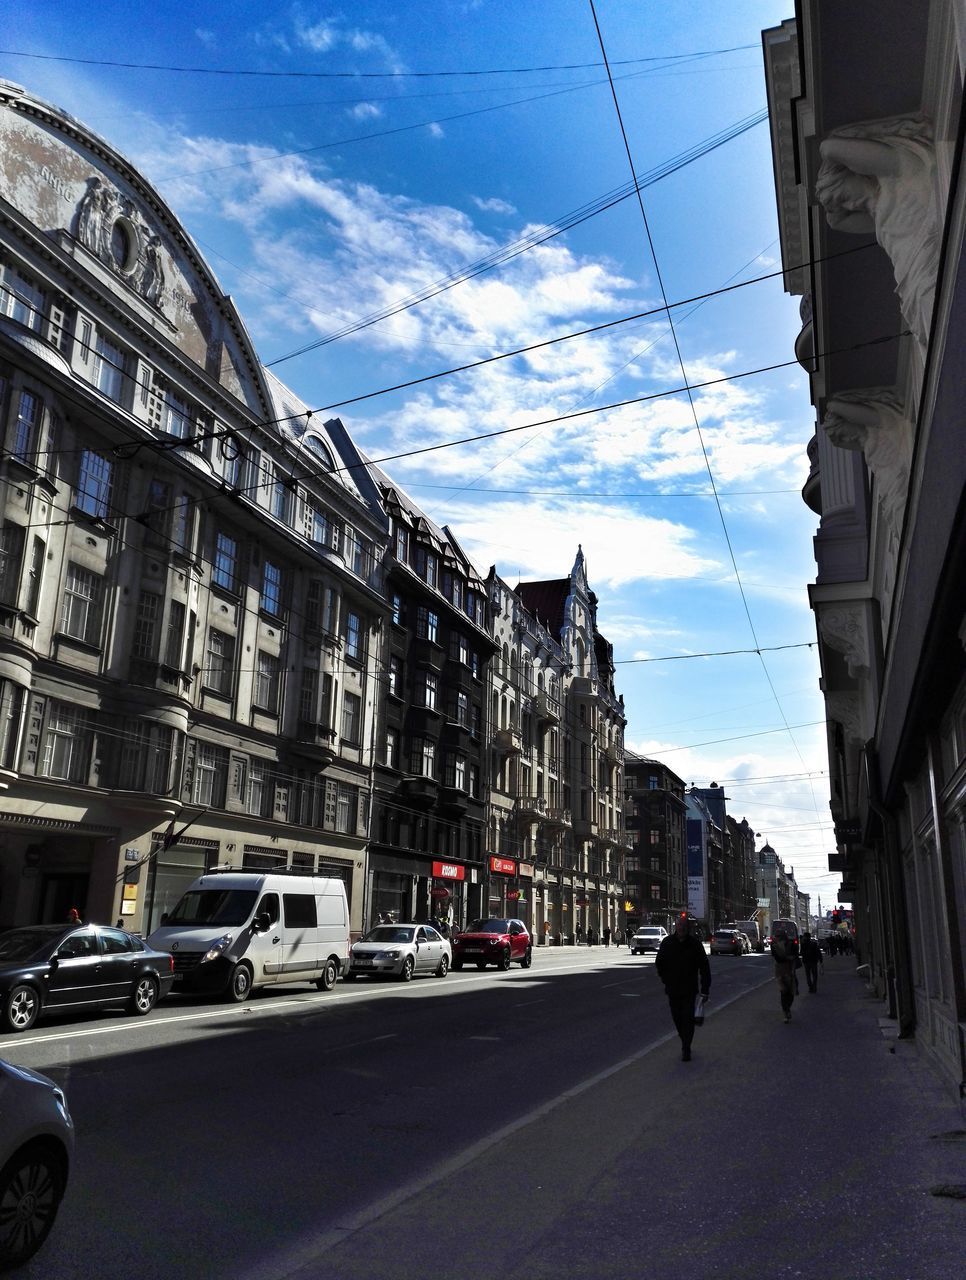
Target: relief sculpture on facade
{"points": [[844, 629], [110, 226], [879, 176], [874, 421]]}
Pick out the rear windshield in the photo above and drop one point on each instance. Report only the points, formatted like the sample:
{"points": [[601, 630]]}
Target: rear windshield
{"points": [[231, 907], [489, 926], [651, 933], [725, 935], [21, 944]]}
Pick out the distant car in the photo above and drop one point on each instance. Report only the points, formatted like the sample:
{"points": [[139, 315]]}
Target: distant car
{"points": [[648, 938], [36, 1146], [47, 967], [727, 942], [746, 946], [493, 941], [400, 951]]}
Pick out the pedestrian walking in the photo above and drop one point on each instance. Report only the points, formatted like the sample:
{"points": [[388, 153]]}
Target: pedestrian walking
{"points": [[786, 960], [618, 936], [579, 934], [811, 961], [607, 935], [682, 965], [74, 916]]}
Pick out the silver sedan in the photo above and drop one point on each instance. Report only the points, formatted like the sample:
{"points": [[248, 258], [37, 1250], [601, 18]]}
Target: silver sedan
{"points": [[400, 951]]}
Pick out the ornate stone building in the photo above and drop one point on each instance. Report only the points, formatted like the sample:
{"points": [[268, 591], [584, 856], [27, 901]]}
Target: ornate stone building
{"points": [[190, 570], [866, 104]]}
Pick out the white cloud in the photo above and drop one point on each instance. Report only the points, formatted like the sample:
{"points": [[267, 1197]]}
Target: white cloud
{"points": [[365, 111], [493, 205]]}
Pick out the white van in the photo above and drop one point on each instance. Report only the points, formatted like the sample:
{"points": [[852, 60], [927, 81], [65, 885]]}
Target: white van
{"points": [[236, 930]]}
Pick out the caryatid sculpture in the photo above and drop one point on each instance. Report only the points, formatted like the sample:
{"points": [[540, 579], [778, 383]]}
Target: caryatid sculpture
{"points": [[875, 421], [879, 177]]}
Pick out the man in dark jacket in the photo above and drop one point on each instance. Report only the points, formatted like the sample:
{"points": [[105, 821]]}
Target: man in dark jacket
{"points": [[811, 959], [682, 965]]}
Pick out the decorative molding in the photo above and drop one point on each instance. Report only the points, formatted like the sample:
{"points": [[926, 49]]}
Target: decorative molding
{"points": [[844, 629], [846, 709], [112, 228]]}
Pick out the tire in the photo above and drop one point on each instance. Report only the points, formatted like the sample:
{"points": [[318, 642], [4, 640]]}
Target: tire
{"points": [[457, 966], [527, 960], [409, 966], [505, 958], [21, 1007], [240, 985], [442, 969], [32, 1186], [144, 996], [330, 976]]}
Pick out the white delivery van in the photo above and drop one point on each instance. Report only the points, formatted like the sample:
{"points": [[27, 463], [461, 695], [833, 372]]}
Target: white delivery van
{"points": [[233, 931]]}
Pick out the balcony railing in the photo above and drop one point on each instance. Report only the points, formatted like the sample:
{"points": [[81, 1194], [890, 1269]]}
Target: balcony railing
{"points": [[531, 807], [546, 709], [508, 741]]}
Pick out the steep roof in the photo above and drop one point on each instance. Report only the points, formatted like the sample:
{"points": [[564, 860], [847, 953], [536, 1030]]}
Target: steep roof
{"points": [[546, 600]]}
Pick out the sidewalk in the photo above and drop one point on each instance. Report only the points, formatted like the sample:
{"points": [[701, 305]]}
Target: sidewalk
{"points": [[808, 1149]]}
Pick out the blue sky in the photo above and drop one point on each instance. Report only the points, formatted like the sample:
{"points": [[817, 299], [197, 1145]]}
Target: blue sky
{"points": [[363, 176]]}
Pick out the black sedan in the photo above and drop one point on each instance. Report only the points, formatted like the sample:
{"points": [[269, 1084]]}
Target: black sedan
{"points": [[51, 966]]}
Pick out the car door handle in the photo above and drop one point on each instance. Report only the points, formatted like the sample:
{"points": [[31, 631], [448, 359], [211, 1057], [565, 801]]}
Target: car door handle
{"points": [[276, 939]]}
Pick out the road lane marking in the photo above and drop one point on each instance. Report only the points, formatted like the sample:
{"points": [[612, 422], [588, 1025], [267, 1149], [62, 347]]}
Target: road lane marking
{"points": [[304, 1260]]}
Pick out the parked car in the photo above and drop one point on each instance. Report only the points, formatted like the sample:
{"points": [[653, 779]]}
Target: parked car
{"points": [[69, 966], [746, 946], [648, 938], [493, 941], [727, 942], [36, 1146], [400, 951]]}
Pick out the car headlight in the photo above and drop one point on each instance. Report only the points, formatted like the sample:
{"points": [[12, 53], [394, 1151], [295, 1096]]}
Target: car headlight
{"points": [[218, 948], [495, 942], [391, 955]]}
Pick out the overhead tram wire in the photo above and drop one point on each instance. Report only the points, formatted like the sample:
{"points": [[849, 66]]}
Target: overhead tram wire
{"points": [[513, 250], [697, 424], [365, 75]]}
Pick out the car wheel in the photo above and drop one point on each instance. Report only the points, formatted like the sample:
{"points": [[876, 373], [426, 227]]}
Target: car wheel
{"points": [[21, 1007], [240, 986], [527, 960], [442, 969], [145, 995], [505, 958], [31, 1188], [481, 965], [408, 968], [330, 976]]}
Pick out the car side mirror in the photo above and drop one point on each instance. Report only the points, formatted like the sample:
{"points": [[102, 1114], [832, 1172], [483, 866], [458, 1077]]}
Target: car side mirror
{"points": [[54, 962], [164, 917], [262, 922]]}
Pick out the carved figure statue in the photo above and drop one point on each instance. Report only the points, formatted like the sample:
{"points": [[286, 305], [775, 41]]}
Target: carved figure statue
{"points": [[94, 220], [153, 280], [874, 420], [879, 176]]}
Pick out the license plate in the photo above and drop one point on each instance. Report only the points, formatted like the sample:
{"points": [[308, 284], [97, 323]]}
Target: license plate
{"points": [[473, 950], [362, 964]]}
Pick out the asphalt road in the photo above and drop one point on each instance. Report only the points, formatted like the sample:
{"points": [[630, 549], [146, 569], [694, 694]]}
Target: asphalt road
{"points": [[218, 1140]]}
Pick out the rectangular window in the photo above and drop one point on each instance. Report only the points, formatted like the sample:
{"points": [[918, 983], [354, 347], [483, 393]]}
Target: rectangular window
{"points": [[27, 434], [402, 543], [81, 613], [397, 608], [259, 786], [432, 569], [35, 574], [476, 720], [267, 681], [219, 661], [21, 300], [174, 640], [353, 636], [427, 625], [300, 911], [456, 772], [67, 743], [422, 758], [351, 718], [462, 708], [395, 675], [309, 695], [392, 749], [109, 369], [474, 781], [271, 594], [330, 615], [655, 835], [144, 760], [94, 484], [225, 568], [279, 494], [176, 416], [11, 561], [211, 775], [357, 552], [313, 605], [430, 690], [346, 808], [459, 648], [11, 711], [181, 523], [147, 618]]}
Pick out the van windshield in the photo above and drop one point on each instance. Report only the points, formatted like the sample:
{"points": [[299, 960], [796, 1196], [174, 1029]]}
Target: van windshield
{"points": [[214, 906]]}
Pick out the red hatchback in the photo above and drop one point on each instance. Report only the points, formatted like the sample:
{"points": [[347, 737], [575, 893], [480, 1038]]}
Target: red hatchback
{"points": [[499, 942]]}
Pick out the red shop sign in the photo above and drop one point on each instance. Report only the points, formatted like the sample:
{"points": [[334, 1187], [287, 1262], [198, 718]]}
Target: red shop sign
{"points": [[439, 891], [505, 866], [448, 871], [512, 895]]}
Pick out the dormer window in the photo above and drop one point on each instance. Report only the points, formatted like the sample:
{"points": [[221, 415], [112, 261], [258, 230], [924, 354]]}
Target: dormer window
{"points": [[320, 450]]}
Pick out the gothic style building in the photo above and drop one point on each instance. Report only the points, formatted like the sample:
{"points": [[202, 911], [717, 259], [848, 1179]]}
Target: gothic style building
{"points": [[866, 105]]}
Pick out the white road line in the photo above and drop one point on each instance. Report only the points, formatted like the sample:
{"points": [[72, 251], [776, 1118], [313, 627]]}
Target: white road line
{"points": [[309, 1254]]}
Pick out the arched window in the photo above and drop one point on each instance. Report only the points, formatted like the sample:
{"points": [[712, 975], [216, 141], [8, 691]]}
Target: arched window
{"points": [[321, 451]]}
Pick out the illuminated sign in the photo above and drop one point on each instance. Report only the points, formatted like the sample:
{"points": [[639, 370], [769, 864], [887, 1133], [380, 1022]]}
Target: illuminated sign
{"points": [[505, 866], [448, 871]]}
